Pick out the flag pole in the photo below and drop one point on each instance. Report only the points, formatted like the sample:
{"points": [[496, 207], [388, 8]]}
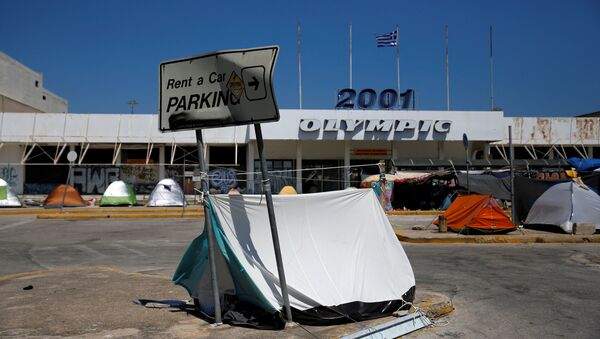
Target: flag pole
{"points": [[398, 59], [299, 69], [491, 70], [350, 54], [447, 74]]}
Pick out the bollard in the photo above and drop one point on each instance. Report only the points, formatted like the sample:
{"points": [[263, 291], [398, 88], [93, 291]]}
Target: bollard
{"points": [[443, 227]]}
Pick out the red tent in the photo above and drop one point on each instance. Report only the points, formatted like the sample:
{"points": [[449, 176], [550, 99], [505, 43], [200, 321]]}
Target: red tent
{"points": [[478, 212]]}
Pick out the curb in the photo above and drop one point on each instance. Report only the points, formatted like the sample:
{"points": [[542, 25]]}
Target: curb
{"points": [[424, 212], [502, 239], [141, 209], [72, 216], [434, 304], [414, 212]]}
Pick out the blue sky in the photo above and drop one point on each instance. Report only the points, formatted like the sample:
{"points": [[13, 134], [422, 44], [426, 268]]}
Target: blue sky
{"points": [[100, 54]]}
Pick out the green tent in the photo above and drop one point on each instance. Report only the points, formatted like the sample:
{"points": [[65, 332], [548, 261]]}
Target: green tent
{"points": [[118, 193]]}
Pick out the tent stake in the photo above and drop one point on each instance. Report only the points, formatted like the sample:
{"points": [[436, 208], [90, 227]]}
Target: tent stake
{"points": [[209, 228], [267, 191]]}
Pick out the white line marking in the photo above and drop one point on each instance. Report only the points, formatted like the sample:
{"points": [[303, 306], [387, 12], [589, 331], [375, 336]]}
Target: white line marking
{"points": [[15, 224], [140, 253], [85, 248]]}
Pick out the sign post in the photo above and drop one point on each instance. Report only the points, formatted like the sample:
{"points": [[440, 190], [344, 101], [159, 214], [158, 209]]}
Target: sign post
{"points": [[227, 88], [209, 227], [266, 184], [71, 156], [466, 144], [513, 206]]}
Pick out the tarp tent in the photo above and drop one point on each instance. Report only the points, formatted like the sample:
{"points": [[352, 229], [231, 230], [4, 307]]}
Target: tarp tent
{"points": [[8, 198], [563, 205], [70, 194], [584, 165], [342, 259], [486, 184], [477, 212], [118, 193], [167, 193]]}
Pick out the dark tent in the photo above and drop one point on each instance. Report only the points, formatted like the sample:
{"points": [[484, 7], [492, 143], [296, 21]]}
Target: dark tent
{"points": [[592, 180], [486, 184]]}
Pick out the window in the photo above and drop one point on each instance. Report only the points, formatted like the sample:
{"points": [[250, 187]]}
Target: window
{"points": [[286, 176]]}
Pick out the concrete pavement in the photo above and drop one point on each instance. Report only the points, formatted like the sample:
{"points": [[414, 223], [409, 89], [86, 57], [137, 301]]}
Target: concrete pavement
{"points": [[85, 274], [499, 290], [99, 302]]}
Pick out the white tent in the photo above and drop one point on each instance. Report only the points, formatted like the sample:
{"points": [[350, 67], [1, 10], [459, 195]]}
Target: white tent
{"points": [[565, 204], [8, 198], [167, 193], [341, 256]]}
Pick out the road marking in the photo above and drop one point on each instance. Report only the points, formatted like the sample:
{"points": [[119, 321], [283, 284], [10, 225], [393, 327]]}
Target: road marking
{"points": [[13, 276], [140, 253], [15, 224], [89, 250]]}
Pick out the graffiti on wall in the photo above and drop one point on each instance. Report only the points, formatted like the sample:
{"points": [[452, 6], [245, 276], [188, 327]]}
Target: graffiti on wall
{"points": [[10, 175], [93, 180], [142, 178], [222, 179]]}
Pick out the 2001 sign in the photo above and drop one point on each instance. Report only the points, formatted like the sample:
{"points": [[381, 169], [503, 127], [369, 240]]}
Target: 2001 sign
{"points": [[367, 98]]}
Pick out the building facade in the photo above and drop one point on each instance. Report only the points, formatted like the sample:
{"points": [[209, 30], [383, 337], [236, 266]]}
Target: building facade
{"points": [[22, 89], [313, 150]]}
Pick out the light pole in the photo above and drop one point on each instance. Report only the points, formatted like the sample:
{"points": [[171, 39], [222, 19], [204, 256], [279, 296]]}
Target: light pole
{"points": [[466, 144], [132, 103]]}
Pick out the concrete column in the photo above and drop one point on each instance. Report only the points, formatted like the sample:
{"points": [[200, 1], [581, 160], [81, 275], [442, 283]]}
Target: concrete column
{"points": [[441, 150], [299, 166], [396, 150], [161, 162], [250, 167], [486, 151], [347, 163], [590, 152]]}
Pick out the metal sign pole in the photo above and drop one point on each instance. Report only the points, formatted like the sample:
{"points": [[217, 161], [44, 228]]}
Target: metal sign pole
{"points": [[468, 186], [71, 156], [513, 206], [62, 204], [274, 234], [209, 227], [466, 145]]}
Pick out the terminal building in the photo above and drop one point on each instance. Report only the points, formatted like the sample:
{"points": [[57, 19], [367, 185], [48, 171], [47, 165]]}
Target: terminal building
{"points": [[312, 150]]}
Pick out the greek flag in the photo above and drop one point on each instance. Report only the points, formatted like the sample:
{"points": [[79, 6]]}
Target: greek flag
{"points": [[387, 40]]}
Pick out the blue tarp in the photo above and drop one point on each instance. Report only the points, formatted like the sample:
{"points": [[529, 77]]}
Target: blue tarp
{"points": [[584, 165]]}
